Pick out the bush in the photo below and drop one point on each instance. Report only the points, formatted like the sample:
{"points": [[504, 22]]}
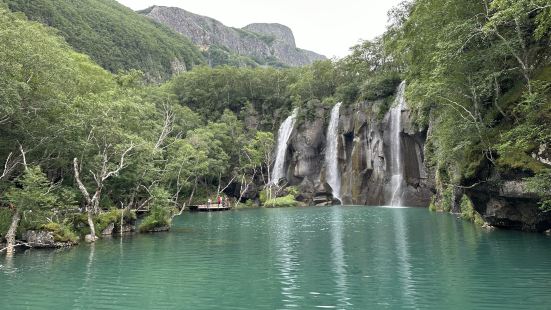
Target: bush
{"points": [[380, 86], [61, 232], [157, 218], [446, 202], [113, 216], [104, 219], [469, 213], [263, 196], [282, 202], [160, 211], [432, 205], [5, 221]]}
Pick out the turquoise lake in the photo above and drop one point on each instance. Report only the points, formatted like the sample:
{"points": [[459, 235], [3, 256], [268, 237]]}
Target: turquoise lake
{"points": [[304, 258]]}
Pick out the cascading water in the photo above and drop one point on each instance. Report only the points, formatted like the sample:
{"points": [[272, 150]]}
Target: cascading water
{"points": [[283, 136], [331, 153], [396, 169]]}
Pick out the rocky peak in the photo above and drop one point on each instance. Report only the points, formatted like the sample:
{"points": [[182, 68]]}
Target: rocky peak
{"points": [[264, 42], [278, 31]]}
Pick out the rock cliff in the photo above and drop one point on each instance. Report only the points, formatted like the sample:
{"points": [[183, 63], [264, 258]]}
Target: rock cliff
{"points": [[364, 146], [363, 153], [262, 42]]}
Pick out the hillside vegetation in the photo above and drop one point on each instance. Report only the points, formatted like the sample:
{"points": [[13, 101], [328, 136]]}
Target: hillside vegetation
{"points": [[114, 36]]}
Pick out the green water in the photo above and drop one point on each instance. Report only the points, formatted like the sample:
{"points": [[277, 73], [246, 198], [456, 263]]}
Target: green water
{"points": [[338, 257]]}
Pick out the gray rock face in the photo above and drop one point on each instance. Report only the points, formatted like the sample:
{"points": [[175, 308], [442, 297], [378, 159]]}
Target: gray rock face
{"points": [[260, 41], [43, 239], [109, 229], [509, 205], [364, 152]]}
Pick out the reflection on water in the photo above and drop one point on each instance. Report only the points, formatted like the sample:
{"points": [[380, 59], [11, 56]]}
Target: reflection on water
{"points": [[287, 262], [335, 258], [403, 259], [338, 257]]}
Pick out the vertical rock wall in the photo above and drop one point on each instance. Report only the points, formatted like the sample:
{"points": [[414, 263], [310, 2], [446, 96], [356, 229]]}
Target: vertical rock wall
{"points": [[364, 152]]}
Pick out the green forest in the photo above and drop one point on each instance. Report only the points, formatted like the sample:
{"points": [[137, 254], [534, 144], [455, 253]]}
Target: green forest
{"points": [[88, 137], [114, 36]]}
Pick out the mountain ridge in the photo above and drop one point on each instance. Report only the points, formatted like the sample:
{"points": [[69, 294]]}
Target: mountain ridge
{"points": [[263, 42]]}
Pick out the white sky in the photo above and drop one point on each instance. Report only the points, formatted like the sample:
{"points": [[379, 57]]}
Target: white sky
{"points": [[326, 27]]}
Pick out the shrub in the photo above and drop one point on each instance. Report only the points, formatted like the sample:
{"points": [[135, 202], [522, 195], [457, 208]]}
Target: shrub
{"points": [[263, 196], [469, 213], [113, 216], [446, 202], [432, 206], [104, 219], [380, 86], [157, 218], [5, 221], [293, 191], [282, 202], [160, 211], [62, 233]]}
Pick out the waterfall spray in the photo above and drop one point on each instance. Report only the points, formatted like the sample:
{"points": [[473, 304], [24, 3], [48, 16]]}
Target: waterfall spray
{"points": [[333, 176], [283, 136]]}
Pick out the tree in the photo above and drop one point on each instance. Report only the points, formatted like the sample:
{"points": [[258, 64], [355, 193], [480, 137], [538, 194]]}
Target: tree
{"points": [[32, 193]]}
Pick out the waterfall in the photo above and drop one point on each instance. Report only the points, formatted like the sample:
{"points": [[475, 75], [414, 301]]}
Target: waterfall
{"points": [[396, 169], [331, 153], [283, 136]]}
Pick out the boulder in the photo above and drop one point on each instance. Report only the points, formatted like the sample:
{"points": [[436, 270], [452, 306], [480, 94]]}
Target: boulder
{"points": [[509, 206], [109, 229], [89, 238], [43, 239], [126, 228]]}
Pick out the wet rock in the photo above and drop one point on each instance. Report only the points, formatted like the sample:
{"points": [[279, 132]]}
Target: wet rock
{"points": [[43, 239], [509, 206], [159, 229], [109, 229], [126, 228], [90, 238], [363, 154]]}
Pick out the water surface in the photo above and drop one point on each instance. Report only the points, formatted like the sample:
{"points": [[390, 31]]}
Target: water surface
{"points": [[315, 258]]}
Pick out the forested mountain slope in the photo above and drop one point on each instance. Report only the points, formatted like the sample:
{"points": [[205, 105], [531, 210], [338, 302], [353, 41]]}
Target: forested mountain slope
{"points": [[114, 36]]}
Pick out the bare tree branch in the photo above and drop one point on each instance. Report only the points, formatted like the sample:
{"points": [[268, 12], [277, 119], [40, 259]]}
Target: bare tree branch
{"points": [[167, 127], [81, 186], [23, 155], [121, 164], [6, 167]]}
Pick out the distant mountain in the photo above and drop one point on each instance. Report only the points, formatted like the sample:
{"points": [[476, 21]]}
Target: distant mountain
{"points": [[270, 44], [114, 36]]}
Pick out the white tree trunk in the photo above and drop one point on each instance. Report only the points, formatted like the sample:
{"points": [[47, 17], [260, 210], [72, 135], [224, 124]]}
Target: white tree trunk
{"points": [[10, 235]]}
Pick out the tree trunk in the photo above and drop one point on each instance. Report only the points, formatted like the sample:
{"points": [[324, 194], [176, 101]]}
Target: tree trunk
{"points": [[190, 201], [10, 235], [92, 226]]}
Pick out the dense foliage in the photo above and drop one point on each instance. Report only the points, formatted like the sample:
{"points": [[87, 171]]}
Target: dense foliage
{"points": [[479, 75], [78, 142], [114, 36]]}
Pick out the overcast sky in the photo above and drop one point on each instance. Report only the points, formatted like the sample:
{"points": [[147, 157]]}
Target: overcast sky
{"points": [[326, 27]]}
